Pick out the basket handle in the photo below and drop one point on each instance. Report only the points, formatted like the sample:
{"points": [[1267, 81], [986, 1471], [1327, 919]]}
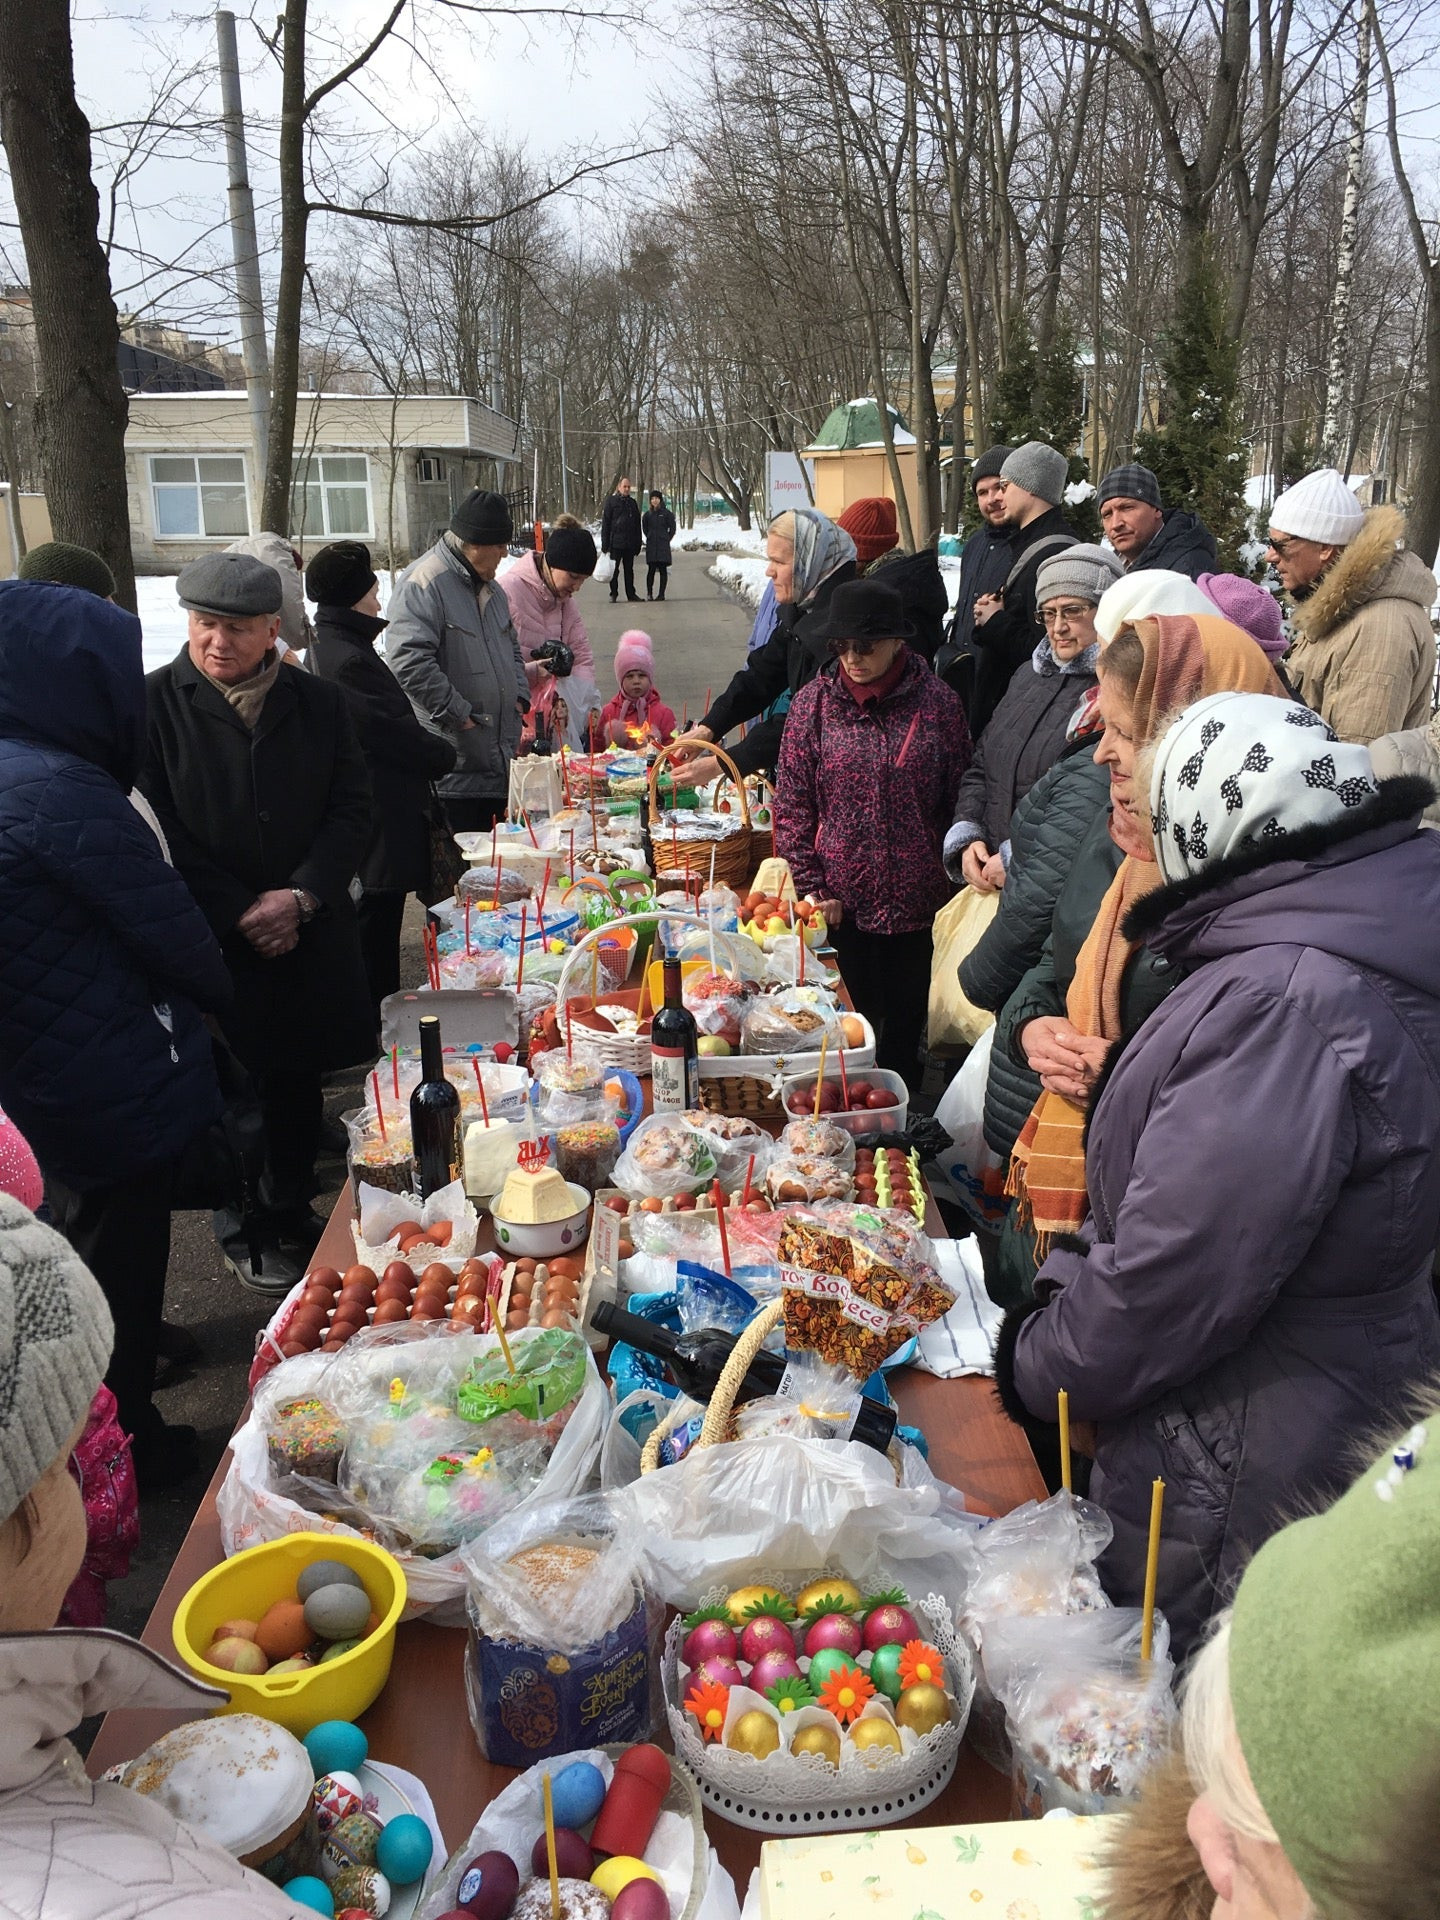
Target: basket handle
{"points": [[720, 754], [624, 920], [722, 1401]]}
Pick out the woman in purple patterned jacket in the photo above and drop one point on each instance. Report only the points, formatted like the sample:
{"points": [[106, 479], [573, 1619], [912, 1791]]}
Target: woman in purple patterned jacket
{"points": [[871, 760]]}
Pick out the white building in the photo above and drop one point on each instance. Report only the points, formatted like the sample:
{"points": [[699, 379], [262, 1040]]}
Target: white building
{"points": [[388, 471]]}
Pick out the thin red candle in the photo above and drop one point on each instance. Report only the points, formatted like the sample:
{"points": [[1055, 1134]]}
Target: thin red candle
{"points": [[520, 970], [544, 888], [467, 929], [484, 1103], [529, 829], [717, 1194], [494, 831], [395, 1072], [844, 1081], [749, 1176], [379, 1110], [569, 1030]]}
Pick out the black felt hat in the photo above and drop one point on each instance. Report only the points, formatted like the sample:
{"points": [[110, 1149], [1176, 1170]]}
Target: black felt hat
{"points": [[860, 610]]}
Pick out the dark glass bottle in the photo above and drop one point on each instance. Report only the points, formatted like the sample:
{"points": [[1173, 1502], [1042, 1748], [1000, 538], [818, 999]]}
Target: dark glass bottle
{"points": [[434, 1115], [696, 1359], [674, 1048]]}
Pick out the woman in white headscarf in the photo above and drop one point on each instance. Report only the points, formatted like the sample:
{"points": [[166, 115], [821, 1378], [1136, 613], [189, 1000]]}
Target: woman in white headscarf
{"points": [[807, 557], [1139, 595]]}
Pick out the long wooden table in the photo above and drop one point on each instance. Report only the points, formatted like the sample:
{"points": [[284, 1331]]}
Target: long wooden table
{"points": [[420, 1722]]}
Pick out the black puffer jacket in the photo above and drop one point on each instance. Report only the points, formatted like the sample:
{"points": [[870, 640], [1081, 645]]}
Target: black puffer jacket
{"points": [[917, 578], [985, 560], [1184, 544], [1025, 738], [1004, 644]]}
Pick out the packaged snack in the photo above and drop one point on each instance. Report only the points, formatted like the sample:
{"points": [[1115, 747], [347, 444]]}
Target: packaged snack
{"points": [[548, 1377], [795, 1176], [795, 1020], [489, 886], [572, 1087], [819, 1138], [734, 1141], [587, 1152], [663, 1157], [379, 1160], [306, 1439]]}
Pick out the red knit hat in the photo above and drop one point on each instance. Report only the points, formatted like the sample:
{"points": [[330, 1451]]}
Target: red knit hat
{"points": [[871, 525]]}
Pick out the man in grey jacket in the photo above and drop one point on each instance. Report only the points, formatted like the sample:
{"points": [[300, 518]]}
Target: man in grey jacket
{"points": [[453, 649]]}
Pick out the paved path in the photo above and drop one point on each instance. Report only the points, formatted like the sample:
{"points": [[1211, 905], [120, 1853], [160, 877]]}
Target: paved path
{"points": [[699, 635]]}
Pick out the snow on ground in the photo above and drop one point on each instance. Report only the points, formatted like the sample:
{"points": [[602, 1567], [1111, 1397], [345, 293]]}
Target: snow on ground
{"points": [[741, 575], [714, 534]]}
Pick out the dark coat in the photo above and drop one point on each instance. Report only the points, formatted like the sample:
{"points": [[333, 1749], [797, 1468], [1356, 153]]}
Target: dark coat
{"points": [[783, 665], [1013, 1087], [862, 797], [401, 756], [285, 806], [985, 559], [917, 578], [1025, 737], [1184, 544], [1008, 638], [1252, 1297], [620, 525], [658, 527], [105, 959]]}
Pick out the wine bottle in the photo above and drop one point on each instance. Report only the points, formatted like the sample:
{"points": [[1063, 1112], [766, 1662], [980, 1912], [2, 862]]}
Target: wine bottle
{"points": [[674, 1048], [434, 1115], [697, 1359]]}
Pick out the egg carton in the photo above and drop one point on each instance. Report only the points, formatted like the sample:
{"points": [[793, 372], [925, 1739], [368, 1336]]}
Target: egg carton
{"points": [[889, 1192], [291, 1331], [577, 1316]]}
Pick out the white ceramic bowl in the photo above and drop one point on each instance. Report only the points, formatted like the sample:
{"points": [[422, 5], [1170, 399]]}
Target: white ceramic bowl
{"points": [[547, 1237]]}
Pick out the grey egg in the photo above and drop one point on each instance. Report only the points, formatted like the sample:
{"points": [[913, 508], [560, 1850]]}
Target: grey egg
{"points": [[337, 1612], [327, 1573]]}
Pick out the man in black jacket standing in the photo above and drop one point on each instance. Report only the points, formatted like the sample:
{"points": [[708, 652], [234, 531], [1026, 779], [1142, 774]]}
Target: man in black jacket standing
{"points": [[1007, 631], [258, 781], [1145, 533], [620, 537], [985, 560], [401, 756]]}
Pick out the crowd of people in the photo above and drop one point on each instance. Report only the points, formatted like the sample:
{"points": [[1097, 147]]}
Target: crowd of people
{"points": [[1192, 814]]}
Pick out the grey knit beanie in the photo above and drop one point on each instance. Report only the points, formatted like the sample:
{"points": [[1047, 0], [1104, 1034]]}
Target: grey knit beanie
{"points": [[1084, 571], [55, 1337], [1039, 469], [1130, 482], [989, 464]]}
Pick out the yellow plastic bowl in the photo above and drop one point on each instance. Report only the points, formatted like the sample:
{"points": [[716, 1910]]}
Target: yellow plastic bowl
{"points": [[242, 1588]]}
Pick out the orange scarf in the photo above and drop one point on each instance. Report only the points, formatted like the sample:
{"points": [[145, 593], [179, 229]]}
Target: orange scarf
{"points": [[1186, 658]]}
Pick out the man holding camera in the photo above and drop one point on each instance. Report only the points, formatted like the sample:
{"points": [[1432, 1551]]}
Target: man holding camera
{"points": [[451, 644]]}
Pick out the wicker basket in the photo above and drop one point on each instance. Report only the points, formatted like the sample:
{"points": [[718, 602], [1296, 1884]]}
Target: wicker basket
{"points": [[728, 860], [762, 838], [628, 1050]]}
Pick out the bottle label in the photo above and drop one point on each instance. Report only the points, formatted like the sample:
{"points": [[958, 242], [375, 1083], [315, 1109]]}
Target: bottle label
{"points": [[675, 1082]]}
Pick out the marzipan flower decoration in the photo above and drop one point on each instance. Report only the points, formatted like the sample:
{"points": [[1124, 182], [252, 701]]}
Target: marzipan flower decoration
{"points": [[844, 1694], [708, 1702], [921, 1666]]}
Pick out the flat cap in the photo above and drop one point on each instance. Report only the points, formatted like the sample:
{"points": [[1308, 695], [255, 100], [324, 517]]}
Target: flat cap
{"points": [[233, 583]]}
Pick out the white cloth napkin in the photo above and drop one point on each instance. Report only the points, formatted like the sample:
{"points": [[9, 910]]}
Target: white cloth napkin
{"points": [[963, 1341]]}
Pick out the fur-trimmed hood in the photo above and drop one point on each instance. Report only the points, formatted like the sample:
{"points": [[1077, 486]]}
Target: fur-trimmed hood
{"points": [[1152, 1870], [1308, 888], [1375, 566]]}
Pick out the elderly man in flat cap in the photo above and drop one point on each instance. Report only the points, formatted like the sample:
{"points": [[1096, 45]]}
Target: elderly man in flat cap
{"points": [[260, 785]]}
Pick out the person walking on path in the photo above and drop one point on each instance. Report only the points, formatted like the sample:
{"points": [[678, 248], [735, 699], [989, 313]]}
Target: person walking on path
{"points": [[621, 537], [872, 757], [452, 646], [260, 785], [107, 967], [1031, 724], [658, 526], [1145, 532], [1007, 629], [916, 577], [402, 757], [985, 560], [1230, 1317], [1364, 652], [807, 558]]}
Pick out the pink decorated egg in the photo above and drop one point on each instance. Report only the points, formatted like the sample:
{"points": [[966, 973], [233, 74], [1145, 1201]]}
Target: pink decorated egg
{"points": [[833, 1633]]}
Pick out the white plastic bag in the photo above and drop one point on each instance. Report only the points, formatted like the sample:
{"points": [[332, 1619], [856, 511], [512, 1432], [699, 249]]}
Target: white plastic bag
{"points": [[252, 1508], [970, 1172], [792, 1505], [604, 569]]}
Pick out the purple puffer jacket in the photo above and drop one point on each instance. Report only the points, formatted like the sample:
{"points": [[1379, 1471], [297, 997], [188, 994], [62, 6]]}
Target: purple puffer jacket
{"points": [[864, 795], [1264, 1174]]}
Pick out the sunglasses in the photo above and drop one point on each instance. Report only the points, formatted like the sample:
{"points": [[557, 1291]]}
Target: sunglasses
{"points": [[860, 649]]}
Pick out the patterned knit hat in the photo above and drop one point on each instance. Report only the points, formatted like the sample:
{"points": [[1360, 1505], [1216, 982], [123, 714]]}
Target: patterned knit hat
{"points": [[55, 1337], [871, 524], [64, 565], [1240, 768], [1130, 482]]}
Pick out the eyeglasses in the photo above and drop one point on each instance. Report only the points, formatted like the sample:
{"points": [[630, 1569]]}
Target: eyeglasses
{"points": [[861, 649], [1072, 616]]}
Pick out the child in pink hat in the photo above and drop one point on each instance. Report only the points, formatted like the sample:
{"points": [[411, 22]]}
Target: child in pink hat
{"points": [[637, 712]]}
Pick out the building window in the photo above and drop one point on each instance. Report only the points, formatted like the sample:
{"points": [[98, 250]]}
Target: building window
{"points": [[199, 496], [429, 467], [330, 496]]}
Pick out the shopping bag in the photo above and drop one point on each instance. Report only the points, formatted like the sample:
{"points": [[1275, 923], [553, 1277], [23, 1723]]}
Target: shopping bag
{"points": [[535, 787], [969, 1171], [954, 1020], [604, 569]]}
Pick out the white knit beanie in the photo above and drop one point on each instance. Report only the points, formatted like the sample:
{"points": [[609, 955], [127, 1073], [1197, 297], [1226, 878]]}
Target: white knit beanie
{"points": [[1320, 508], [55, 1337], [1139, 595]]}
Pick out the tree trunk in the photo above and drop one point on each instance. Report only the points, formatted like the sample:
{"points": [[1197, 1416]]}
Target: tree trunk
{"points": [[1332, 427], [80, 406], [10, 454], [290, 293], [1423, 517]]}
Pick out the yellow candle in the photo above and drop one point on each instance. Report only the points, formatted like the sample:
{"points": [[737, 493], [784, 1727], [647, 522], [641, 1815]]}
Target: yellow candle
{"points": [[1152, 1569]]}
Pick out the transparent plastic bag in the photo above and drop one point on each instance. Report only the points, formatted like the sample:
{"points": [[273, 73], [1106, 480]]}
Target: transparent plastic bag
{"points": [[819, 1137], [808, 1177], [1087, 1717], [816, 1402], [735, 1142], [664, 1157], [705, 1298], [795, 1020]]}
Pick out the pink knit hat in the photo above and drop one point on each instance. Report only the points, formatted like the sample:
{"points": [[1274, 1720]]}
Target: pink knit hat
{"points": [[636, 649], [1249, 607]]}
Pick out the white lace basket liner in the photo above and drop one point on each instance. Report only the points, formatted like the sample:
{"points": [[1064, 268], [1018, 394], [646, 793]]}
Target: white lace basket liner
{"points": [[799, 1793]]}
